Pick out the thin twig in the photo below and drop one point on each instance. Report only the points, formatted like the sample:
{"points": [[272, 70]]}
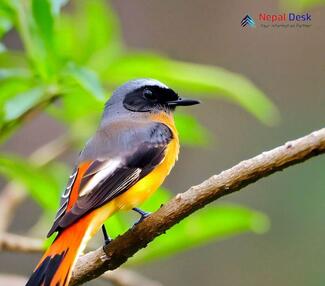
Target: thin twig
{"points": [[11, 197], [247, 172], [12, 280], [17, 243], [51, 150]]}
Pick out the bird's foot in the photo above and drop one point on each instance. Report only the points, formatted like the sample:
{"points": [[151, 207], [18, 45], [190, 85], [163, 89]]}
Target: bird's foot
{"points": [[143, 215], [107, 238]]}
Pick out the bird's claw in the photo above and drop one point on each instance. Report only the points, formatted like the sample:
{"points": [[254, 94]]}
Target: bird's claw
{"points": [[107, 238], [143, 215]]}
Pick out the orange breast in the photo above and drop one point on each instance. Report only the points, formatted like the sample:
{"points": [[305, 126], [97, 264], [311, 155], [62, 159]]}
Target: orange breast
{"points": [[150, 183]]}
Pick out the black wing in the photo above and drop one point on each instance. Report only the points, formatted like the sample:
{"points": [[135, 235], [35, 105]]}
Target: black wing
{"points": [[105, 179]]}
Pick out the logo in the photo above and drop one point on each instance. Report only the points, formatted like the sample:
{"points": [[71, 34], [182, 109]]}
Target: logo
{"points": [[279, 20], [247, 20], [265, 17]]}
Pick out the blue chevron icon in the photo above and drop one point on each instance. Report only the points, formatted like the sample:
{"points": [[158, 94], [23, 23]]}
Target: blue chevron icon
{"points": [[247, 21]]}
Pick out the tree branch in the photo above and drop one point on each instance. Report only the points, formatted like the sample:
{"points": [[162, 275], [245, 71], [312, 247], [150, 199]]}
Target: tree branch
{"points": [[110, 257], [17, 243]]}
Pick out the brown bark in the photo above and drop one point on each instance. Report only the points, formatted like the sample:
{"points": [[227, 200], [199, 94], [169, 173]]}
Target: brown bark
{"points": [[95, 263]]}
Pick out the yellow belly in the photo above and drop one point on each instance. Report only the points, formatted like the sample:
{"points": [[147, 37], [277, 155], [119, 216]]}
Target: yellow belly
{"points": [[150, 183], [143, 189]]}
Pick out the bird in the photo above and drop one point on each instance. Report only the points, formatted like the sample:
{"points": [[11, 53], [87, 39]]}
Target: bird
{"points": [[133, 150]]}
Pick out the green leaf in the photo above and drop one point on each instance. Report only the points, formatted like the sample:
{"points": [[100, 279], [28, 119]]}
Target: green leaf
{"points": [[35, 23], [9, 88], [79, 110], [39, 184], [13, 73], [194, 78], [13, 60], [102, 26], [69, 112], [8, 5], [100, 37], [191, 132], [87, 80], [42, 13], [5, 21], [213, 223], [18, 105]]}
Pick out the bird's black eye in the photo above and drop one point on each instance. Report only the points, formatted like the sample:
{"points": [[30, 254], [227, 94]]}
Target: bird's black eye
{"points": [[148, 94]]}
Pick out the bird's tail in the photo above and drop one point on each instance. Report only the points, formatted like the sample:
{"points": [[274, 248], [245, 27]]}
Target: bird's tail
{"points": [[55, 267]]}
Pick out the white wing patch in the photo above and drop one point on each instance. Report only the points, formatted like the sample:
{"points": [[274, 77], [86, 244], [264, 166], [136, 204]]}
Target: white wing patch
{"points": [[107, 169]]}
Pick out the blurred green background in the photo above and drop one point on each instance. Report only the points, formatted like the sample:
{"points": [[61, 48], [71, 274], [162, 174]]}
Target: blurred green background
{"points": [[82, 53]]}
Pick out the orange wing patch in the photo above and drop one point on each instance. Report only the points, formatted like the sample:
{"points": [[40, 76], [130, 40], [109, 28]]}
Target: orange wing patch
{"points": [[75, 188]]}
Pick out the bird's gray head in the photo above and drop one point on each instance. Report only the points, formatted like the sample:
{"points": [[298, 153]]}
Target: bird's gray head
{"points": [[145, 95]]}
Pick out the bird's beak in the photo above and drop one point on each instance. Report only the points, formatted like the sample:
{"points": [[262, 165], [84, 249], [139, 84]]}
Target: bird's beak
{"points": [[183, 102]]}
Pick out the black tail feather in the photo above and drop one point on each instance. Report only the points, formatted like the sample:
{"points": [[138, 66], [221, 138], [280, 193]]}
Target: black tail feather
{"points": [[45, 272]]}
